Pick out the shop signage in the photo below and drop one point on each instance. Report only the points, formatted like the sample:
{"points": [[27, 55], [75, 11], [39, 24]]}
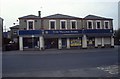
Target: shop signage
{"points": [[62, 31], [85, 31], [30, 32]]}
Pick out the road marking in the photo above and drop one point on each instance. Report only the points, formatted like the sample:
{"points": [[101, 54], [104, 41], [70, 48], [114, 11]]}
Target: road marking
{"points": [[112, 69]]}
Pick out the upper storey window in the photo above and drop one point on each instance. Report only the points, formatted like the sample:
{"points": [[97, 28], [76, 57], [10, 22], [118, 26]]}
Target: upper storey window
{"points": [[30, 24], [106, 24], [63, 24], [73, 24], [52, 24], [89, 24], [98, 24]]}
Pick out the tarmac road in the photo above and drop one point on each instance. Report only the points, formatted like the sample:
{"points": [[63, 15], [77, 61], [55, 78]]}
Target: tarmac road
{"points": [[61, 63]]}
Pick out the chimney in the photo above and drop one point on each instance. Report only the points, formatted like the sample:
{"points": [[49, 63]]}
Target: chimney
{"points": [[39, 13]]}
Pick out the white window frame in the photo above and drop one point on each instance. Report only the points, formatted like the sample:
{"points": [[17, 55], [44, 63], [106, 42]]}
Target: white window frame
{"points": [[65, 24], [87, 24], [71, 24], [50, 24], [100, 24], [28, 24], [108, 25]]}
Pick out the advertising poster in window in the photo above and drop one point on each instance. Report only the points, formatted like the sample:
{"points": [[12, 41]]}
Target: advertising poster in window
{"points": [[91, 41], [75, 42]]}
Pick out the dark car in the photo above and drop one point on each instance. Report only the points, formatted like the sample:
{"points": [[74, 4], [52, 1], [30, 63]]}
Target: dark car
{"points": [[11, 46]]}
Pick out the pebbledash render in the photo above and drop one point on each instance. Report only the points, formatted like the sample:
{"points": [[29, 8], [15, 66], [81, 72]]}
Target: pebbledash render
{"points": [[60, 31]]}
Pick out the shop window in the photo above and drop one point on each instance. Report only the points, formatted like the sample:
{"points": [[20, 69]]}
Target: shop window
{"points": [[90, 41], [52, 24], [75, 42], [31, 42], [63, 24], [90, 24]]}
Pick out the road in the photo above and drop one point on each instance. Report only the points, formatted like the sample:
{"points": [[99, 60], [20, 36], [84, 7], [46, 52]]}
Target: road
{"points": [[60, 63]]}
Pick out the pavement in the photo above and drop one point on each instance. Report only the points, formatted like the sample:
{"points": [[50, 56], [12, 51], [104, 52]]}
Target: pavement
{"points": [[62, 51]]}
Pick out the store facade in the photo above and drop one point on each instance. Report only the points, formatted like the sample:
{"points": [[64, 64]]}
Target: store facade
{"points": [[64, 32]]}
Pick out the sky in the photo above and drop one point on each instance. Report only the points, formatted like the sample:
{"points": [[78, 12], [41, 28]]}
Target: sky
{"points": [[11, 10]]}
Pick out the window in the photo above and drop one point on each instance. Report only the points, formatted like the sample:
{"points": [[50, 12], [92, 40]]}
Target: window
{"points": [[52, 24], [90, 24], [30, 24], [73, 24], [63, 24], [98, 24], [90, 41], [106, 24], [15, 32]]}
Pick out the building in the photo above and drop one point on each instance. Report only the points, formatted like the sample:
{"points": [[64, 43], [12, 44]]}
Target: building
{"points": [[13, 33], [1, 32], [64, 32]]}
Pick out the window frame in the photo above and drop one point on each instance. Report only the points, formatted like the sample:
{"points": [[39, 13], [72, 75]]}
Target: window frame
{"points": [[50, 24], [71, 24], [108, 25], [28, 24], [61, 24], [100, 24], [91, 22]]}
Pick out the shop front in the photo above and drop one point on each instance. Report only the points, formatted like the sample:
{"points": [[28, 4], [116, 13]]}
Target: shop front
{"points": [[63, 39]]}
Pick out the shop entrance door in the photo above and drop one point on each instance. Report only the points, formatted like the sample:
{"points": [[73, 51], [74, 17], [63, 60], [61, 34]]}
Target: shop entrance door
{"points": [[64, 43], [51, 43], [90, 41]]}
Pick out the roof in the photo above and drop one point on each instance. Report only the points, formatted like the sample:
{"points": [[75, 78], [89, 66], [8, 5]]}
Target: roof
{"points": [[14, 27], [61, 16], [1, 18], [97, 17], [29, 17]]}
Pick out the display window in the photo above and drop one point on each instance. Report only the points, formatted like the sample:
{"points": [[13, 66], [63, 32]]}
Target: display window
{"points": [[91, 41], [31, 42], [75, 42]]}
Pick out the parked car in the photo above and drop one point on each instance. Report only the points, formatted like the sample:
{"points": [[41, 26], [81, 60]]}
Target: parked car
{"points": [[11, 46]]}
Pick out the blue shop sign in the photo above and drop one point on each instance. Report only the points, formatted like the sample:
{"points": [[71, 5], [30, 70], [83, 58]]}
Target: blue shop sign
{"points": [[30, 32], [62, 31], [86, 31], [98, 31]]}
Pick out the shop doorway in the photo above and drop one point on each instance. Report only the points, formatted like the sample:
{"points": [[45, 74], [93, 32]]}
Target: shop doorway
{"points": [[91, 42], [51, 43], [30, 42], [64, 43]]}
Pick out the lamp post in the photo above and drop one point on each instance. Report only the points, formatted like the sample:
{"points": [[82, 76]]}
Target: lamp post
{"points": [[32, 41]]}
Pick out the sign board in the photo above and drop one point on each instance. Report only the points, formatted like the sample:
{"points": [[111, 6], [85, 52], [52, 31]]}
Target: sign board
{"points": [[84, 31], [62, 31]]}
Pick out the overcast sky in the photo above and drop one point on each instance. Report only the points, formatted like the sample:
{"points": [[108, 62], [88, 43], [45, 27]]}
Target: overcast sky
{"points": [[11, 10]]}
